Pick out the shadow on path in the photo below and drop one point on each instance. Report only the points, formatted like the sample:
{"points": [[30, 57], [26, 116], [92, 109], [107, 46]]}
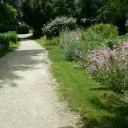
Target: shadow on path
{"points": [[18, 61]]}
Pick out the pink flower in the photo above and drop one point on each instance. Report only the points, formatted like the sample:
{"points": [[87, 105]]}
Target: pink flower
{"points": [[126, 44]]}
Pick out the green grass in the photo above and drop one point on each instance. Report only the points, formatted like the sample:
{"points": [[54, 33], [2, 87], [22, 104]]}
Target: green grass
{"points": [[10, 49], [98, 107]]}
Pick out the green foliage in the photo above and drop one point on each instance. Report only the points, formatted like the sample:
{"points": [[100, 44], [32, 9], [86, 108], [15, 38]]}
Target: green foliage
{"points": [[76, 45], [37, 33], [53, 41], [111, 44], [13, 37], [115, 12], [11, 48], [98, 107], [92, 39], [87, 11], [70, 43], [36, 13], [104, 30], [54, 27], [7, 38], [96, 36], [32, 13], [23, 29], [7, 13], [7, 27], [4, 39], [64, 8], [110, 68]]}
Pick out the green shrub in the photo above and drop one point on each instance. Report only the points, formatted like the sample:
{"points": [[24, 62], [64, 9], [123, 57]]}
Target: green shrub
{"points": [[37, 33], [70, 42], [110, 68], [7, 38], [93, 40], [8, 14], [104, 30], [4, 39], [23, 29], [7, 27], [53, 41], [112, 43], [53, 28], [12, 37], [97, 36]]}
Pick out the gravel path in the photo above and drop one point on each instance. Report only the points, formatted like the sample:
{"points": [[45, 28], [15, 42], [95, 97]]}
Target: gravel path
{"points": [[27, 91]]}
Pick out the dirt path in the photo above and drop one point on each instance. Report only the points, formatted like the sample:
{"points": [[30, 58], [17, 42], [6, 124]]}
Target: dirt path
{"points": [[27, 91]]}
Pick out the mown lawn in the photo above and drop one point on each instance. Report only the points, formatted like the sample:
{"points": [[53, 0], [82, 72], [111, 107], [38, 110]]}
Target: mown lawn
{"points": [[10, 49], [97, 106]]}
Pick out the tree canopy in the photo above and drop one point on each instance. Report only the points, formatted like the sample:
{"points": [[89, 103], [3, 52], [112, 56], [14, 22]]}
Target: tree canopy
{"points": [[7, 13], [36, 13]]}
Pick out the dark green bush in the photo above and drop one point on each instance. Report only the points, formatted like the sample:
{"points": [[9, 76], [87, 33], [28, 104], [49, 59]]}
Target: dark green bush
{"points": [[8, 14], [37, 33], [53, 28], [7, 27], [23, 29], [2, 38]]}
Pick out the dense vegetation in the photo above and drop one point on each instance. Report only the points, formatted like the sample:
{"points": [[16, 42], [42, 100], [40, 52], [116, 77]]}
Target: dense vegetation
{"points": [[8, 42], [23, 29], [91, 69], [36, 13], [87, 42]]}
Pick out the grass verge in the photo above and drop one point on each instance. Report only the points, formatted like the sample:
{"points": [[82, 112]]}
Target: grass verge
{"points": [[98, 107], [12, 47]]}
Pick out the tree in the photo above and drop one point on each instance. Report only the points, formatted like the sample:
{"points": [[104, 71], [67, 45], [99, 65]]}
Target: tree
{"points": [[16, 4], [32, 13], [115, 12], [65, 7], [7, 13], [87, 10]]}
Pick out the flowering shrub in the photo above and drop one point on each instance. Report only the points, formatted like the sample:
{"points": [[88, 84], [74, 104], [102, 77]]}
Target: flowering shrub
{"points": [[110, 67], [52, 29], [70, 42]]}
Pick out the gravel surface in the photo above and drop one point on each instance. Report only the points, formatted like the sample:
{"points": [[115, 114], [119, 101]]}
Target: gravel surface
{"points": [[28, 97]]}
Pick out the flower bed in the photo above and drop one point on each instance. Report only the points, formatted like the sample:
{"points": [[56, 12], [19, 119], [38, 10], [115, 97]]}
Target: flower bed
{"points": [[110, 67]]}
